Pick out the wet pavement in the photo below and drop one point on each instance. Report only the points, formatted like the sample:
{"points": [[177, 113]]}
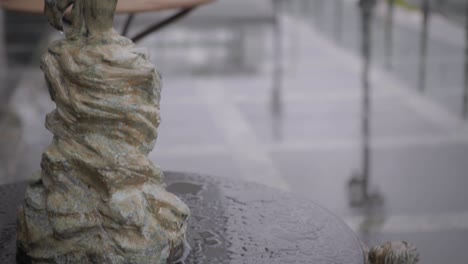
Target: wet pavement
{"points": [[218, 119]]}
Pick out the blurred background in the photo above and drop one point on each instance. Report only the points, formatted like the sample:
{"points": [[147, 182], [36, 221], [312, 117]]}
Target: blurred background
{"points": [[359, 106]]}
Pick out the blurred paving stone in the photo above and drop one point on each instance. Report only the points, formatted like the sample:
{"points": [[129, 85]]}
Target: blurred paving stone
{"points": [[321, 175], [248, 87], [187, 124], [423, 179], [305, 120], [178, 89], [452, 102], [337, 120], [393, 118], [325, 80], [412, 179], [217, 163]]}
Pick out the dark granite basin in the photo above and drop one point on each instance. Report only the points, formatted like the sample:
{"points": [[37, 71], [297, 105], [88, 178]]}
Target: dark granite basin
{"points": [[234, 222]]}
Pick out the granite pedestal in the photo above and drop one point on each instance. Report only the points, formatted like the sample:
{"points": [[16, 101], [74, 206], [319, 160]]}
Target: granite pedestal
{"points": [[233, 222]]}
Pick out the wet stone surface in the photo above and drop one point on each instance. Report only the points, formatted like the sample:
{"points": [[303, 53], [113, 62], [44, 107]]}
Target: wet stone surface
{"points": [[234, 222]]}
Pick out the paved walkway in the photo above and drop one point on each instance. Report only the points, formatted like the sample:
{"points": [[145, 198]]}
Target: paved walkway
{"points": [[420, 149], [446, 45]]}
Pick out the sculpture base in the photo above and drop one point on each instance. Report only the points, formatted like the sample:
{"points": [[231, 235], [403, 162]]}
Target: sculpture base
{"points": [[233, 222]]}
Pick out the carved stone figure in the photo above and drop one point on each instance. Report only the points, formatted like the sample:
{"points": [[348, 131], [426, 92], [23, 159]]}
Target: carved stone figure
{"points": [[98, 199], [88, 17], [399, 252]]}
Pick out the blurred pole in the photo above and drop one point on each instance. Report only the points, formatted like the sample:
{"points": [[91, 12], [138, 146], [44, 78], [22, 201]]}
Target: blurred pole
{"points": [[3, 65], [465, 94], [238, 47], [128, 23], [389, 34], [306, 8], [423, 45], [367, 7], [294, 37], [276, 101], [338, 29], [317, 10]]}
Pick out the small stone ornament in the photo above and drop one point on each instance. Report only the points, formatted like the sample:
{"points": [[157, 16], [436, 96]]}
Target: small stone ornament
{"points": [[98, 199], [393, 253]]}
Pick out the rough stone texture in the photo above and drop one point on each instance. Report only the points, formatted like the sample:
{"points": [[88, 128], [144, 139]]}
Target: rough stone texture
{"points": [[393, 253], [98, 199]]}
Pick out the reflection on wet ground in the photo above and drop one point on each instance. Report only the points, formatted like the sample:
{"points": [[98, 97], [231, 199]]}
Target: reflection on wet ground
{"points": [[217, 114]]}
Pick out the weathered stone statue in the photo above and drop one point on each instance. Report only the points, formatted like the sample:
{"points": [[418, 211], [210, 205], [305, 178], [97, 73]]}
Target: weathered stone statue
{"points": [[98, 199], [398, 252]]}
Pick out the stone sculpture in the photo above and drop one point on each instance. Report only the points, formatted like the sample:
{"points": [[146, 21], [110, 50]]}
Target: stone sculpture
{"points": [[399, 252], [98, 199]]}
